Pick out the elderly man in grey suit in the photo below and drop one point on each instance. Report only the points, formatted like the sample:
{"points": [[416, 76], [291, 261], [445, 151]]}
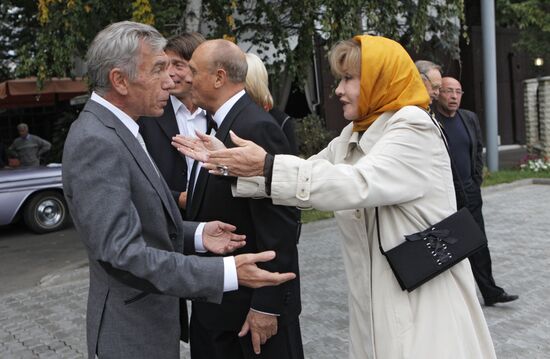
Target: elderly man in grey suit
{"points": [[124, 213]]}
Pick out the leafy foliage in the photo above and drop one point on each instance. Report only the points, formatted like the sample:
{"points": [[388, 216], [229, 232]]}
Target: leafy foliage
{"points": [[532, 17], [312, 135], [142, 12], [281, 31], [63, 29], [18, 23]]}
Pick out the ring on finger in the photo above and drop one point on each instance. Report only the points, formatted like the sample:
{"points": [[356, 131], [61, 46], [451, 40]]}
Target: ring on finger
{"points": [[224, 171]]}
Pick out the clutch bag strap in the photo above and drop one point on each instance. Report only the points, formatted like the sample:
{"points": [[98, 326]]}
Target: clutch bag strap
{"points": [[378, 231]]}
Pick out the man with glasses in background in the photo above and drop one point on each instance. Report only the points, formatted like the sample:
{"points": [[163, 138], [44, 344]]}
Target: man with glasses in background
{"points": [[464, 138], [431, 76]]}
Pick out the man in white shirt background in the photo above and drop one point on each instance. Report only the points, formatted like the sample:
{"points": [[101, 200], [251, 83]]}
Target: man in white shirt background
{"points": [[180, 116]]}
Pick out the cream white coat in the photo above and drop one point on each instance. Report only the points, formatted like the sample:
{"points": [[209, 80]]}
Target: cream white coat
{"points": [[400, 164]]}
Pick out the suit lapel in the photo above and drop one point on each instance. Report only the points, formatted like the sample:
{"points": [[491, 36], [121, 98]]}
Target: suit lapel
{"points": [[222, 134], [167, 121], [133, 146], [198, 193]]}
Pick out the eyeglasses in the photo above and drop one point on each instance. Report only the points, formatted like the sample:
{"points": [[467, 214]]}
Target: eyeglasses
{"points": [[457, 92], [435, 87]]}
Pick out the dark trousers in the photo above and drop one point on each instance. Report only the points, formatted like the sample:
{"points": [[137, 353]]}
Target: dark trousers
{"points": [[481, 260], [213, 344]]}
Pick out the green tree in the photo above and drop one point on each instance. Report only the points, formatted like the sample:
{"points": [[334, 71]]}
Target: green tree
{"points": [[532, 18], [18, 27], [65, 28], [143, 12], [282, 31]]}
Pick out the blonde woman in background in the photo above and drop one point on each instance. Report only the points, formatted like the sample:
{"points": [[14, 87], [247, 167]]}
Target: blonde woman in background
{"points": [[257, 87]]}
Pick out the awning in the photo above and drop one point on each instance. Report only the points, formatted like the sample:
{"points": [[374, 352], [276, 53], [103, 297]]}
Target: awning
{"points": [[24, 92]]}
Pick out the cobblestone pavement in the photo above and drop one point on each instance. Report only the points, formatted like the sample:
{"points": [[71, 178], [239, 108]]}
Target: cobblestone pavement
{"points": [[48, 321]]}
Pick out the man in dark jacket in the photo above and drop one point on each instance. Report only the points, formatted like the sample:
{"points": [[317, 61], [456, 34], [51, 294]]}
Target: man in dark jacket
{"points": [[464, 137], [180, 116], [246, 318]]}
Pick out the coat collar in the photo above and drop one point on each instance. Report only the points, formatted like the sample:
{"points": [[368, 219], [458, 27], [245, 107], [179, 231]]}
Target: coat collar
{"points": [[364, 141]]}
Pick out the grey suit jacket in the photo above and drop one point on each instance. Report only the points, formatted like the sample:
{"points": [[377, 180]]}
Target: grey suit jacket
{"points": [[135, 237]]}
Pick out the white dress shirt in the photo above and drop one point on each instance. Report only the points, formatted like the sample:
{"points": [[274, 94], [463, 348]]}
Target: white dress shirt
{"points": [[230, 280], [224, 109], [187, 124]]}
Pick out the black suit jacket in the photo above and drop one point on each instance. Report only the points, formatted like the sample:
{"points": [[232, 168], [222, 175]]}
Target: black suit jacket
{"points": [[157, 133], [288, 126], [266, 226], [471, 122]]}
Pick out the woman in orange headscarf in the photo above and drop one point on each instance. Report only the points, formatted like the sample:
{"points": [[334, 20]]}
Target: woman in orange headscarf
{"points": [[390, 156]]}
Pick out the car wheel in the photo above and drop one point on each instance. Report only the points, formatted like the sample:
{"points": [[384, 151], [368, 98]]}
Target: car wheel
{"points": [[46, 212]]}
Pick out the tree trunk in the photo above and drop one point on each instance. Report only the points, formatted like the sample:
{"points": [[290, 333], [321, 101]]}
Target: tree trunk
{"points": [[192, 15]]}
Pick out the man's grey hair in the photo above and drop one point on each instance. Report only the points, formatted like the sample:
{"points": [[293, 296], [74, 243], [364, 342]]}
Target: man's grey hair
{"points": [[425, 66], [118, 46], [22, 126]]}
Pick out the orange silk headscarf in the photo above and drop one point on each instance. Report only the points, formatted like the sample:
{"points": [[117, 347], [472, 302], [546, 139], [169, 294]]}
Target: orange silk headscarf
{"points": [[389, 80]]}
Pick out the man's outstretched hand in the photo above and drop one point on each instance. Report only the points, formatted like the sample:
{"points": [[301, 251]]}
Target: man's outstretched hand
{"points": [[218, 238], [250, 275]]}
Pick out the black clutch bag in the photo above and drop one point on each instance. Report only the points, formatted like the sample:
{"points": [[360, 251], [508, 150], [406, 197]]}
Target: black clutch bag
{"points": [[426, 254]]}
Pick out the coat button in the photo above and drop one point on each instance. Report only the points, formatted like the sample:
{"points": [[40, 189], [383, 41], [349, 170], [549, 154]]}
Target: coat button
{"points": [[173, 236], [357, 213]]}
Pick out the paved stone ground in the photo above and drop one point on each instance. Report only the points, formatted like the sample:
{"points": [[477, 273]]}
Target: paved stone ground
{"points": [[48, 321]]}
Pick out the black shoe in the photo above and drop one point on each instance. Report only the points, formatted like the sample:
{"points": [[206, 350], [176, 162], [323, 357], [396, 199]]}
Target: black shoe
{"points": [[501, 298]]}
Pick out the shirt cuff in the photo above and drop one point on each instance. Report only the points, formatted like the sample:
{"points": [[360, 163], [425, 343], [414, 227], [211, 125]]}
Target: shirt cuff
{"points": [[230, 280], [266, 313], [199, 246]]}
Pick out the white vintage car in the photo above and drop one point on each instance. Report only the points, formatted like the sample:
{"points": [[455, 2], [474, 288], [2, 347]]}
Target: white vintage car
{"points": [[35, 195]]}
